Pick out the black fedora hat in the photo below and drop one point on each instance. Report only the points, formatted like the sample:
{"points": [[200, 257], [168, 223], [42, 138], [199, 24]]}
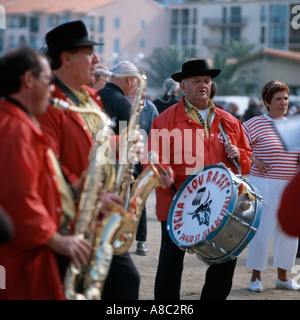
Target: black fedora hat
{"points": [[68, 35], [195, 68]]}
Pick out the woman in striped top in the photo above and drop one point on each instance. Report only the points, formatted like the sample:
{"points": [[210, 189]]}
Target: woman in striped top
{"points": [[272, 167]]}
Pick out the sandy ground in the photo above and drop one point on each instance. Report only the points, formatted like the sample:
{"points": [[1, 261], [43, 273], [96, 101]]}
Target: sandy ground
{"points": [[194, 270]]}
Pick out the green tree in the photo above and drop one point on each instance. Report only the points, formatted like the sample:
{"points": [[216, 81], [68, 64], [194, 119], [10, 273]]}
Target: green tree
{"points": [[165, 61], [231, 81]]}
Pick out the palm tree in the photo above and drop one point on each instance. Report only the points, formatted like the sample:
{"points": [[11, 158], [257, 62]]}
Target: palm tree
{"points": [[231, 81], [165, 61]]}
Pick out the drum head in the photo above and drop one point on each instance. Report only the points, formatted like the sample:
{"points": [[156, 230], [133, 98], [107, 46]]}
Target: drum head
{"points": [[200, 205]]}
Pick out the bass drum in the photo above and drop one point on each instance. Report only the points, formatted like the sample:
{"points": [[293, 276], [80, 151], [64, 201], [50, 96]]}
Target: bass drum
{"points": [[214, 214]]}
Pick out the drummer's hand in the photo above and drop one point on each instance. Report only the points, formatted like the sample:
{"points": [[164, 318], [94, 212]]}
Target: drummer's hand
{"points": [[167, 177], [232, 151], [262, 166]]}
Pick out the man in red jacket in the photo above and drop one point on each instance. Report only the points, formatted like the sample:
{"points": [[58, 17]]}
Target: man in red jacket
{"points": [[193, 114], [72, 134], [29, 178]]}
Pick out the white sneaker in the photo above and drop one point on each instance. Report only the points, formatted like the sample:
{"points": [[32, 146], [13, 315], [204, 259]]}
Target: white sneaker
{"points": [[256, 286], [288, 285]]}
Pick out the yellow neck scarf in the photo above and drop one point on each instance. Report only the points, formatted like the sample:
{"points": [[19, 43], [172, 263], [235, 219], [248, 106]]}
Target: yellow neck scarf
{"points": [[192, 111]]}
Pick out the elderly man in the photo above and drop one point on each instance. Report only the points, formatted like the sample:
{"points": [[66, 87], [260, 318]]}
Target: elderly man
{"points": [[194, 113], [115, 93]]}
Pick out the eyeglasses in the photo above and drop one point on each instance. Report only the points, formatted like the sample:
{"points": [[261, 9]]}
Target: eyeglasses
{"points": [[273, 83], [49, 79]]}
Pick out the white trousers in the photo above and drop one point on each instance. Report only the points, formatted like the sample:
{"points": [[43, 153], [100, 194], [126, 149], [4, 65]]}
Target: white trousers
{"points": [[284, 246]]}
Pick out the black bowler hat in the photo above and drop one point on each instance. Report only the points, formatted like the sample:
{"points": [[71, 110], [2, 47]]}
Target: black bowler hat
{"points": [[68, 35], [195, 68]]}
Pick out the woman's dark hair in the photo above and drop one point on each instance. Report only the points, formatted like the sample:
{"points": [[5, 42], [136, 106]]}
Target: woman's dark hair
{"points": [[14, 64], [270, 88]]}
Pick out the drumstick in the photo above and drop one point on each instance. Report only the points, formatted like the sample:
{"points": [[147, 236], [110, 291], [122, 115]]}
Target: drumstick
{"points": [[235, 160]]}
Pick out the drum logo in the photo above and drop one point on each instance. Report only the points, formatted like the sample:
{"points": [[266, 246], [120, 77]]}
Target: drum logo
{"points": [[203, 211], [200, 208]]}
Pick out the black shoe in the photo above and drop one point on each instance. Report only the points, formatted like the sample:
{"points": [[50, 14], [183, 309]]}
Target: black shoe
{"points": [[141, 248]]}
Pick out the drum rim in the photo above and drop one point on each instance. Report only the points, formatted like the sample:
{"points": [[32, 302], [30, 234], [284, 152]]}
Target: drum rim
{"points": [[243, 243], [246, 239]]}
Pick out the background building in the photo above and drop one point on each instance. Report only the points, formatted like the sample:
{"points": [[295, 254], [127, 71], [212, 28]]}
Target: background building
{"points": [[129, 28], [208, 26], [132, 29]]}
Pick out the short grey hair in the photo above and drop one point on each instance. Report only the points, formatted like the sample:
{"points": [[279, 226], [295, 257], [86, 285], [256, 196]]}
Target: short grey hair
{"points": [[170, 86], [125, 67]]}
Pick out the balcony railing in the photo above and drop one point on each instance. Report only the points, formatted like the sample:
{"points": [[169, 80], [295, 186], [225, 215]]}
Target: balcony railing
{"points": [[230, 22]]}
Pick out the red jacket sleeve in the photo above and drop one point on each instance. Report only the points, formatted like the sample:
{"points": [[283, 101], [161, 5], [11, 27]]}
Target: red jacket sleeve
{"points": [[33, 223], [289, 209]]}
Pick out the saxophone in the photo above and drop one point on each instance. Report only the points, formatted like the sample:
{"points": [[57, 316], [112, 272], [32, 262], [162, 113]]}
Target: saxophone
{"points": [[87, 219], [116, 231], [123, 221]]}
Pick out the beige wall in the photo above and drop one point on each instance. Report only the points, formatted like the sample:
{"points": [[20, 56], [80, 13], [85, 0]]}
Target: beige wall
{"points": [[264, 69], [132, 13]]}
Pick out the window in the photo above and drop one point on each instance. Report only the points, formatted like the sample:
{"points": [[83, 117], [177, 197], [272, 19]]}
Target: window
{"points": [[278, 26], [173, 39], [277, 37], [184, 37], [1, 44], [194, 36], [236, 15], [142, 44], [22, 41], [143, 24], [278, 14], [12, 42], [91, 23], [262, 34], [195, 16], [224, 15], [34, 24], [53, 21], [14, 23], [101, 47], [185, 16], [117, 45], [263, 13], [22, 22], [101, 24], [34, 42], [175, 17], [235, 34], [65, 19], [117, 23]]}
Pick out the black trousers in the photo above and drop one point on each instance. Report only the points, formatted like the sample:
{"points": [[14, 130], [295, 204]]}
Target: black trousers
{"points": [[218, 280], [123, 280], [141, 234]]}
